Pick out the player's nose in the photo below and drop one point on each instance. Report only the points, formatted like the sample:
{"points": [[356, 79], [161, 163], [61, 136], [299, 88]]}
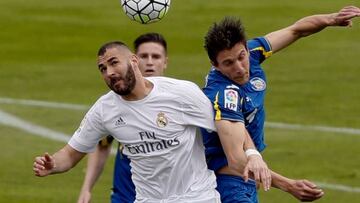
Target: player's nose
{"points": [[110, 72], [240, 68], [149, 61]]}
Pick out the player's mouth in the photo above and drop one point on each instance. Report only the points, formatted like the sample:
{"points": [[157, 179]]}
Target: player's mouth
{"points": [[241, 79], [149, 72], [116, 82], [243, 76]]}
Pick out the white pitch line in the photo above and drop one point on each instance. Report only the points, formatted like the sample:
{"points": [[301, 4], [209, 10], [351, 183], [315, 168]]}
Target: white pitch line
{"points": [[13, 121], [57, 105], [337, 187], [278, 125], [350, 131]]}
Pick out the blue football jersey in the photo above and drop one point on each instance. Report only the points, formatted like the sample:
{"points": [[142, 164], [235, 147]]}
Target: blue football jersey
{"points": [[123, 187], [239, 103]]}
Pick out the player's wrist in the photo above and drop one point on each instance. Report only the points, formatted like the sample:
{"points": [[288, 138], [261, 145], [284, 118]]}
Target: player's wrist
{"points": [[252, 152], [284, 184], [332, 19], [86, 189]]}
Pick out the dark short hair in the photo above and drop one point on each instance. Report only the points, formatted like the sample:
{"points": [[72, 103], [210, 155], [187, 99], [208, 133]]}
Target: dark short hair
{"points": [[109, 45], [150, 37], [223, 36]]}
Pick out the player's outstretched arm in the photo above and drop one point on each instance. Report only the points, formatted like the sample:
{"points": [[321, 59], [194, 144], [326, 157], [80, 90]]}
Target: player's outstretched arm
{"points": [[95, 166], [309, 25], [60, 162], [233, 136], [302, 190]]}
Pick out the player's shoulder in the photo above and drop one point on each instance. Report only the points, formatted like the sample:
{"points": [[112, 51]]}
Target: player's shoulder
{"points": [[169, 84], [180, 91], [107, 99], [260, 49]]}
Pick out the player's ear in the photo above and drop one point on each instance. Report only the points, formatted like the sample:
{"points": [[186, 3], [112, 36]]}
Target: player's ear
{"points": [[166, 62], [134, 60]]}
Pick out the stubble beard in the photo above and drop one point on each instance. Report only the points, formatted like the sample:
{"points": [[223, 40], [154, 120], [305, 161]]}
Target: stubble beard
{"points": [[129, 82]]}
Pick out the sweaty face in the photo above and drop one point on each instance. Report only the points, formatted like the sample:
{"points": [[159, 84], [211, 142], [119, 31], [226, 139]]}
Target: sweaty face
{"points": [[117, 71], [234, 63], [152, 59]]}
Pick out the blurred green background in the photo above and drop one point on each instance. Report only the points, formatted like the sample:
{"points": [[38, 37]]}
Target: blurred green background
{"points": [[48, 53]]}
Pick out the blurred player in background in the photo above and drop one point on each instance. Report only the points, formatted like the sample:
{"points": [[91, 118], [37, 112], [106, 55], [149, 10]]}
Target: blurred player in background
{"points": [[236, 86], [151, 49]]}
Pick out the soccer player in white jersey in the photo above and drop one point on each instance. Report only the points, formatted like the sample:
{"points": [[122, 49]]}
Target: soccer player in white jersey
{"points": [[151, 49], [156, 121]]}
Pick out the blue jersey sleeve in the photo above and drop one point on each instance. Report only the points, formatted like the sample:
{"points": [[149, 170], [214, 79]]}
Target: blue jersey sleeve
{"points": [[227, 105], [260, 49]]}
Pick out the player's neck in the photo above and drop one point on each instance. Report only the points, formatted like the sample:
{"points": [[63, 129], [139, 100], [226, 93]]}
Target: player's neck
{"points": [[142, 88]]}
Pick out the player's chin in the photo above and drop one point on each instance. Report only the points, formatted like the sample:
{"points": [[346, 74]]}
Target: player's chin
{"points": [[245, 78], [241, 80]]}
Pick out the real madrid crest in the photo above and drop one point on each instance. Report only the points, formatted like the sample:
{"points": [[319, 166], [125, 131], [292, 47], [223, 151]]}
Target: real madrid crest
{"points": [[161, 120]]}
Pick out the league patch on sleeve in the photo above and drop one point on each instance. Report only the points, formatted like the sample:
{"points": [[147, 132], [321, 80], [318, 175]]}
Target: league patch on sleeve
{"points": [[231, 99], [258, 84]]}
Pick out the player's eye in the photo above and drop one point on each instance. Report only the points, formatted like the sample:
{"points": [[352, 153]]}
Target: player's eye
{"points": [[114, 63], [143, 56], [102, 69], [228, 63], [156, 56]]}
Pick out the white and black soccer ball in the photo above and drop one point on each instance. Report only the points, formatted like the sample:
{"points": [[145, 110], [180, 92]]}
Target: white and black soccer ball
{"points": [[145, 11]]}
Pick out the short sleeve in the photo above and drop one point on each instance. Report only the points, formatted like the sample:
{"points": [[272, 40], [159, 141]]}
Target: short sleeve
{"points": [[90, 131], [260, 49], [197, 110], [227, 105]]}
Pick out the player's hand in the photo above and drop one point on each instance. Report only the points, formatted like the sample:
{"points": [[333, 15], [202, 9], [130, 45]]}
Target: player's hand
{"points": [[259, 169], [344, 16], [43, 165], [305, 190], [84, 197]]}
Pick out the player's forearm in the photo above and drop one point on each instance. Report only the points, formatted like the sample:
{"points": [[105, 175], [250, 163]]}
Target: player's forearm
{"points": [[304, 27], [95, 166], [312, 24], [236, 156], [232, 137], [280, 182], [89, 182], [65, 159], [248, 143]]}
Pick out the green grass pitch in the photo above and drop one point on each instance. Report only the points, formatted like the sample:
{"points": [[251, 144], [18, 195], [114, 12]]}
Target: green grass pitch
{"points": [[48, 52]]}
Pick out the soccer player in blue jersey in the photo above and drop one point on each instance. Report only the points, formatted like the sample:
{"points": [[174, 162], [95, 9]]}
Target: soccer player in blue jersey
{"points": [[151, 48], [236, 86]]}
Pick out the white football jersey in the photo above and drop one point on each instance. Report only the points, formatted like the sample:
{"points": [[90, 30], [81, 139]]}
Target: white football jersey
{"points": [[159, 136]]}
